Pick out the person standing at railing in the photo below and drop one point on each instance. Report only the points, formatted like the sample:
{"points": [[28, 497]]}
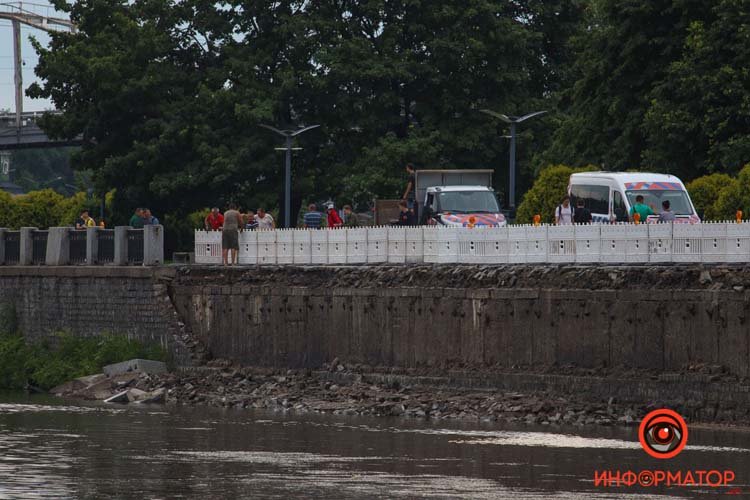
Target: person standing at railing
{"points": [[137, 221], [405, 216], [149, 219], [582, 214], [265, 220], [641, 209], [230, 237], [250, 223], [666, 214], [334, 220], [214, 221], [350, 218], [312, 219], [85, 220], [564, 212]]}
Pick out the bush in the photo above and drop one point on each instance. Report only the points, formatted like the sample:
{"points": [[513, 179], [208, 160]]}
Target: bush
{"points": [[546, 193], [47, 364], [707, 190], [40, 209], [735, 196]]}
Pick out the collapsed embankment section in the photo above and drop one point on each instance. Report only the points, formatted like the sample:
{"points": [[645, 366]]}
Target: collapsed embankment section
{"points": [[656, 318], [643, 335]]}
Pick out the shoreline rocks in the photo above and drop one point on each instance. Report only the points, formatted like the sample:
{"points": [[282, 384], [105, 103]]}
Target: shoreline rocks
{"points": [[341, 390]]}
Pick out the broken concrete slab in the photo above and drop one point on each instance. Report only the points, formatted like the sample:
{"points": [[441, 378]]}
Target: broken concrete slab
{"points": [[120, 397], [136, 395], [135, 365], [154, 397]]}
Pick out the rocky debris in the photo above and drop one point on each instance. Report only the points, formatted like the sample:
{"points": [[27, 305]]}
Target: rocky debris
{"points": [[357, 390], [128, 382], [545, 276], [135, 365], [307, 391]]}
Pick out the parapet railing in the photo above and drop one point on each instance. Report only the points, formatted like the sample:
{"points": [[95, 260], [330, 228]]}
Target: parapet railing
{"points": [[586, 243], [61, 246]]}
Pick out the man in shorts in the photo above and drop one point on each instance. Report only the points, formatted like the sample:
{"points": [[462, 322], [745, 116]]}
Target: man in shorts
{"points": [[230, 235]]}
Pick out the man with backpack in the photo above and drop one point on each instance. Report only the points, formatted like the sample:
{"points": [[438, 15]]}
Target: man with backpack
{"points": [[564, 212]]}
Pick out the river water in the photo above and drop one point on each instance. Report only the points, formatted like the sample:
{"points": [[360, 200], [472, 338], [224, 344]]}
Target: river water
{"points": [[50, 448]]}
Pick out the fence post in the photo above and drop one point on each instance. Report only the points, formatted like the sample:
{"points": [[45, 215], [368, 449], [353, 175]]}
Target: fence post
{"points": [[27, 246], [121, 245], [2, 246], [58, 247], [153, 245], [92, 245]]}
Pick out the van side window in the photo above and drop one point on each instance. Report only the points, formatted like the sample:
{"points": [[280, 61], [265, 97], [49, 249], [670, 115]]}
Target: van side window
{"points": [[595, 198], [621, 213]]}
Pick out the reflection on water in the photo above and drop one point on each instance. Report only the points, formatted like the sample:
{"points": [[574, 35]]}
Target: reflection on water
{"points": [[54, 449]]}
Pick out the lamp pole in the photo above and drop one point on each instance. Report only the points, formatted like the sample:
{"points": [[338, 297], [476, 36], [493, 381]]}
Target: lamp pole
{"points": [[513, 121], [288, 135]]}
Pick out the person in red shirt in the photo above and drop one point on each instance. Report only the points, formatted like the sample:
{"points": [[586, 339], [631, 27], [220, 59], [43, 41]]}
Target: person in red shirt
{"points": [[334, 220], [214, 221]]}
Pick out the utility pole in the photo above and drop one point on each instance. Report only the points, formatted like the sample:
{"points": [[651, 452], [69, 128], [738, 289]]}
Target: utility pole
{"points": [[288, 136], [513, 121], [18, 71]]}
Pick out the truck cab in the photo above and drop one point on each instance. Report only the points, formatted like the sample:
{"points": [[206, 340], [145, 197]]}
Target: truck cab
{"points": [[609, 196], [465, 206], [458, 197]]}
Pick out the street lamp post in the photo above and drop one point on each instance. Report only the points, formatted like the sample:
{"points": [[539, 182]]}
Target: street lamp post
{"points": [[288, 136], [513, 121]]}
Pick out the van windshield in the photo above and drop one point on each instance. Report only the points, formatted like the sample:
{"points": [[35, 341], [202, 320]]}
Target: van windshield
{"points": [[678, 200], [465, 202]]}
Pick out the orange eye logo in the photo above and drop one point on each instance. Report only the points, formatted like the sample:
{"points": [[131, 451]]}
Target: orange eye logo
{"points": [[663, 433]]}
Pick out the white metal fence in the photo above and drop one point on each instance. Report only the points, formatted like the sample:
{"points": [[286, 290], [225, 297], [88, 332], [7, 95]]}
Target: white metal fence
{"points": [[607, 243]]}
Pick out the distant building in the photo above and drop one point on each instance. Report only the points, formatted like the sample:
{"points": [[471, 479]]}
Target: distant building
{"points": [[11, 188]]}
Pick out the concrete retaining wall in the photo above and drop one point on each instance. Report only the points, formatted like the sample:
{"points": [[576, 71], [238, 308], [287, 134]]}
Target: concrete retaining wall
{"points": [[88, 301], [663, 319]]}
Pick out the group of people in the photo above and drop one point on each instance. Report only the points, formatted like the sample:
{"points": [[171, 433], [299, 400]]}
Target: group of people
{"points": [[231, 222], [143, 217], [215, 220], [314, 219], [565, 214], [644, 211]]}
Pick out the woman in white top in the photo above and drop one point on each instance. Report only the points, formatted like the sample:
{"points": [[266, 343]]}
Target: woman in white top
{"points": [[564, 213]]}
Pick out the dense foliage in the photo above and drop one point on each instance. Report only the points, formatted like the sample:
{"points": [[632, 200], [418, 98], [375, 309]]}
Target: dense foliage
{"points": [[40, 209], [707, 190], [660, 86], [47, 364], [169, 95]]}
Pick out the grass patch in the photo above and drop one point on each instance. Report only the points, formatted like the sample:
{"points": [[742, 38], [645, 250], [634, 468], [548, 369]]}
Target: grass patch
{"points": [[47, 364]]}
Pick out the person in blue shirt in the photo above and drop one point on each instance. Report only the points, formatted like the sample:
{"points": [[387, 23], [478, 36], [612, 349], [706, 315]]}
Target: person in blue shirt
{"points": [[313, 219], [251, 223], [148, 219]]}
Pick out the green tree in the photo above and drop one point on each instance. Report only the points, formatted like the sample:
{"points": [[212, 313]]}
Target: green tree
{"points": [[735, 196], [622, 55], [169, 96], [699, 117], [705, 192]]}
